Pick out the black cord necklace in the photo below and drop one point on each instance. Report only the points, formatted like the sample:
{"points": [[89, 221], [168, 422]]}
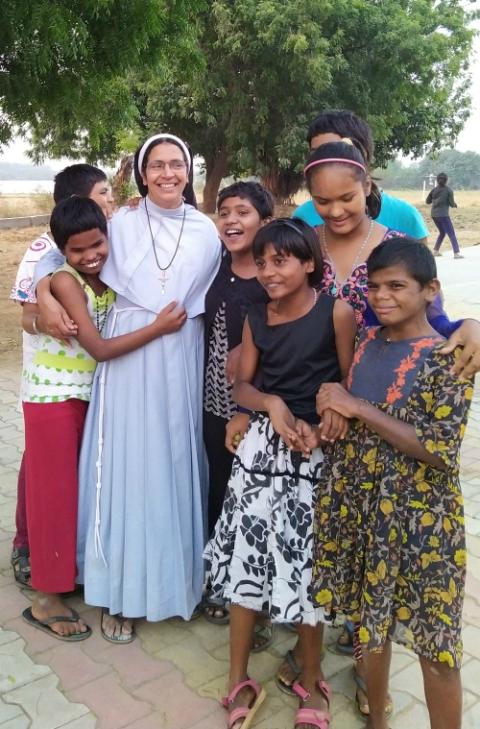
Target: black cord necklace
{"points": [[100, 316], [163, 269]]}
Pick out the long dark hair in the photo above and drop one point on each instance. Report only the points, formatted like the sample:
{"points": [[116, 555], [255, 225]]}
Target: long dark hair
{"points": [[347, 152], [188, 193]]}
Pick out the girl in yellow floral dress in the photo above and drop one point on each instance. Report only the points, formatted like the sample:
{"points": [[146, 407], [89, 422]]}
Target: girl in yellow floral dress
{"points": [[389, 526]]}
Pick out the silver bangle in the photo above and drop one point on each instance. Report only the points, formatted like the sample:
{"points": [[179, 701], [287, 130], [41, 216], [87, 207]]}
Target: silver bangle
{"points": [[34, 324]]}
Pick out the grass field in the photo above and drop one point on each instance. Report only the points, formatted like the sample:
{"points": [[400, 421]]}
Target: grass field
{"points": [[466, 217], [13, 244], [16, 206]]}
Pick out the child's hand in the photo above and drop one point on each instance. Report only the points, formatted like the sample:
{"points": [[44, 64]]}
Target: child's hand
{"points": [[133, 202], [54, 321], [333, 426], [332, 396], [309, 435], [284, 424], [171, 319], [235, 430], [232, 362]]}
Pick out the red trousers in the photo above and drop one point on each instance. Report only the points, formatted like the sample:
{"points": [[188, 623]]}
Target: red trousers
{"points": [[53, 435], [21, 533]]}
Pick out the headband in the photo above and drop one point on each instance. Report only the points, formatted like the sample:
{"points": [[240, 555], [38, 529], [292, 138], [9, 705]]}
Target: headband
{"points": [[173, 138], [334, 159], [289, 223]]}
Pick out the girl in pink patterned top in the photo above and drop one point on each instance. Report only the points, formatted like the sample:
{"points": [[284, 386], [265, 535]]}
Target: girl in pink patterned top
{"points": [[348, 200]]}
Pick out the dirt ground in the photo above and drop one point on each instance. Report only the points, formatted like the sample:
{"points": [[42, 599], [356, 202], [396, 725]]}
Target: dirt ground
{"points": [[13, 244]]}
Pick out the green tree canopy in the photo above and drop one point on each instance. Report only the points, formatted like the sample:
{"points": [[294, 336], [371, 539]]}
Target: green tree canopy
{"points": [[269, 66], [64, 67], [241, 80]]}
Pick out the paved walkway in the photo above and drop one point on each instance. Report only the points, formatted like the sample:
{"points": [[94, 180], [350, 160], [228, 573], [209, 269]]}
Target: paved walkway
{"points": [[172, 676]]}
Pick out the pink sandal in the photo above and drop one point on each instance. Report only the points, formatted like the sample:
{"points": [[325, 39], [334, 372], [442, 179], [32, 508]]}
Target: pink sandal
{"points": [[314, 717], [246, 713]]}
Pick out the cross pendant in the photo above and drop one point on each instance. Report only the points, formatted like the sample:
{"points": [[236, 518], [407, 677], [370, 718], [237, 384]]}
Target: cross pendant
{"points": [[163, 281]]}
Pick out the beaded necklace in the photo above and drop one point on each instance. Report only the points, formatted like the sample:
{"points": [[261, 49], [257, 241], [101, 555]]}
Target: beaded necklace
{"points": [[100, 312]]}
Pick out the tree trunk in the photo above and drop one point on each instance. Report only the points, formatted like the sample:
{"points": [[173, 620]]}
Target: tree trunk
{"points": [[216, 168], [283, 184], [122, 178]]}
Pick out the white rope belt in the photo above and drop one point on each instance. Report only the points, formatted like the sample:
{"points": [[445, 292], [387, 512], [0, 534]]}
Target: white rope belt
{"points": [[98, 486]]}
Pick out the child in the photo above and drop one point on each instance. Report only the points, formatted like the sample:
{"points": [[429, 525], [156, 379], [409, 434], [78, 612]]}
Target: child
{"points": [[260, 554], [243, 208], [57, 390], [333, 126], [389, 530], [441, 199], [78, 179]]}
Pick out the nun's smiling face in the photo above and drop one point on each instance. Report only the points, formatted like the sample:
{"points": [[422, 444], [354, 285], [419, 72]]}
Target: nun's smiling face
{"points": [[166, 175]]}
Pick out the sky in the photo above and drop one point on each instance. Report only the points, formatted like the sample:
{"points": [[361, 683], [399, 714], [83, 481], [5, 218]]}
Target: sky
{"points": [[468, 140]]}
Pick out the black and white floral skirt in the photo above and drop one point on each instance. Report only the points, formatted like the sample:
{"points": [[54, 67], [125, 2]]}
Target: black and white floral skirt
{"points": [[260, 556]]}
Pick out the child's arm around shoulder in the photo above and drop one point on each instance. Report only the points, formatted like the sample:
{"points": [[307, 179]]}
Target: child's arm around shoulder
{"points": [[70, 294]]}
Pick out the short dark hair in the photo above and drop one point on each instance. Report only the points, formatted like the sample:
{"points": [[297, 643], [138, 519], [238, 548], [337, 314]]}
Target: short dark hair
{"points": [[345, 124], [75, 215], [261, 198], [294, 238], [188, 193], [344, 151], [77, 179], [442, 177], [414, 255]]}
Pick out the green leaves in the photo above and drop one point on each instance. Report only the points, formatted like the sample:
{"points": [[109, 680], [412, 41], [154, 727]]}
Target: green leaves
{"points": [[240, 80], [63, 66]]}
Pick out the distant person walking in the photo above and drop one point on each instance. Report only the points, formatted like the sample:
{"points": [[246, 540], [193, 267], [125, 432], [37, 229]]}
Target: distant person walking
{"points": [[441, 199]]}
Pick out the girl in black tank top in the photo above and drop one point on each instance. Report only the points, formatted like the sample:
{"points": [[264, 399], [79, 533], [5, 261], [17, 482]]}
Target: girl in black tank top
{"points": [[260, 556]]}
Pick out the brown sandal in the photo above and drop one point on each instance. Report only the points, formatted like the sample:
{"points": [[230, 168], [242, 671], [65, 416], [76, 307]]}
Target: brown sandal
{"points": [[362, 707], [20, 561]]}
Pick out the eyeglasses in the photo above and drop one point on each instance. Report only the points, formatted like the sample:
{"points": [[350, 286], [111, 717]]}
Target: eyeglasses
{"points": [[175, 165]]}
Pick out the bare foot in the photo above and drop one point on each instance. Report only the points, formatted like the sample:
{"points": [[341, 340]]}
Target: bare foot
{"points": [[117, 628], [47, 606]]}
